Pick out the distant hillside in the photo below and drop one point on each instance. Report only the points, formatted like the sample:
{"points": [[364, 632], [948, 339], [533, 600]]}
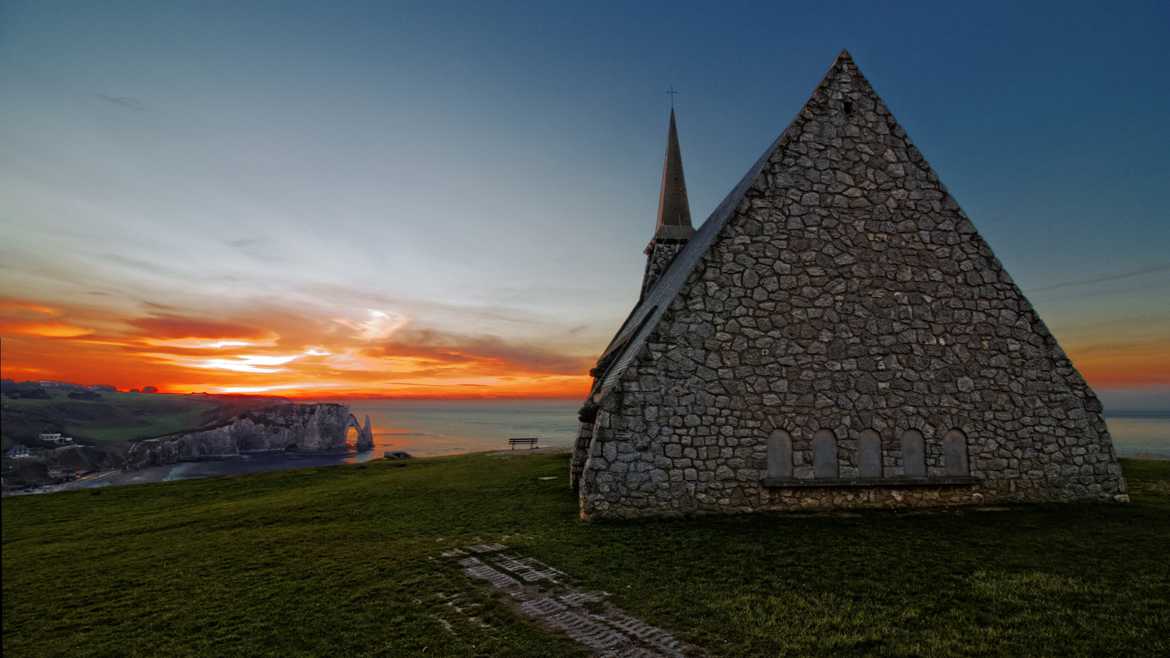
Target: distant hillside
{"points": [[103, 417]]}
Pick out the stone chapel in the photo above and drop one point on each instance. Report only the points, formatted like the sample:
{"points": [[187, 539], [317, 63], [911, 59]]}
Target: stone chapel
{"points": [[836, 334]]}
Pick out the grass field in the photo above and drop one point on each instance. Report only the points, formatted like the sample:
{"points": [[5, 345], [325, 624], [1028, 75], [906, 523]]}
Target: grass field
{"points": [[118, 416], [340, 560]]}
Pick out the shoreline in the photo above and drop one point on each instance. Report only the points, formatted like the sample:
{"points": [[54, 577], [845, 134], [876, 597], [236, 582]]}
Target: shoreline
{"points": [[269, 461], [264, 461], [99, 479]]}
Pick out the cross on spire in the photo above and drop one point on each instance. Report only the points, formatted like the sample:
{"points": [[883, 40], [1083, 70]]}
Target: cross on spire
{"points": [[672, 93]]}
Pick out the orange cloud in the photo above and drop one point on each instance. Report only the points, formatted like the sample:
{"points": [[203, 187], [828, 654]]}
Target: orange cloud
{"points": [[262, 350], [17, 306], [177, 326], [265, 350], [485, 351], [44, 329]]}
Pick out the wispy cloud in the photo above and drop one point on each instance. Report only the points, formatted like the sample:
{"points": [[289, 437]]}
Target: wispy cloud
{"points": [[245, 243], [485, 351], [376, 326], [127, 102], [178, 326], [1104, 278], [45, 329]]}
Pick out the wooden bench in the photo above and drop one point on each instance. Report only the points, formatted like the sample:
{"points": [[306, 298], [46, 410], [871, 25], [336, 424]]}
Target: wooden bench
{"points": [[529, 441]]}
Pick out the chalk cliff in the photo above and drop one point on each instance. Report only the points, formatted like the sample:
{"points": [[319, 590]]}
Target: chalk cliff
{"points": [[82, 458], [285, 427]]}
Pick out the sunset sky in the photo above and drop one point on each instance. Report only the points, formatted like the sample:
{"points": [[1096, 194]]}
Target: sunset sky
{"points": [[451, 200]]}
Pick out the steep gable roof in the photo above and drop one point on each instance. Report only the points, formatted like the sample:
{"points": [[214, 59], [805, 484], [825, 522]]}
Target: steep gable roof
{"points": [[630, 338]]}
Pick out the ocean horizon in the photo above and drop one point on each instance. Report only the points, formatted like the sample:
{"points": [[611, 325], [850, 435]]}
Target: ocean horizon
{"points": [[431, 428], [436, 428], [428, 428]]}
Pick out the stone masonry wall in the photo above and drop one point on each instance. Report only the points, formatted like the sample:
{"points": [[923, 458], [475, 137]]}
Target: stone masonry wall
{"points": [[580, 453], [849, 292], [659, 254]]}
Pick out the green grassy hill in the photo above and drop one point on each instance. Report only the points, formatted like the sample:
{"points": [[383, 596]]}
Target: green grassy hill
{"points": [[119, 416], [342, 560]]}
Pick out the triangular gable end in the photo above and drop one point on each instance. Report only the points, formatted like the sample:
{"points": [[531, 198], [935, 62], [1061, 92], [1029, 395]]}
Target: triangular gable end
{"points": [[842, 91]]}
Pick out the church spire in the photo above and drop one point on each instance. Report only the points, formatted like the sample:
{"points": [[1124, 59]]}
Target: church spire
{"points": [[674, 212]]}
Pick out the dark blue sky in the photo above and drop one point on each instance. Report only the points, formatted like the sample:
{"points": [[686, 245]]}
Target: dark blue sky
{"points": [[507, 154]]}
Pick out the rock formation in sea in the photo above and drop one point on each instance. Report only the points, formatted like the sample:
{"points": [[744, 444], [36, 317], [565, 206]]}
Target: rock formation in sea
{"points": [[285, 427], [365, 438]]}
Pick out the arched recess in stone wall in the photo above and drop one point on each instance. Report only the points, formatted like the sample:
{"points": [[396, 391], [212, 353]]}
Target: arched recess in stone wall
{"points": [[955, 460], [824, 454], [779, 455], [913, 454], [869, 454]]}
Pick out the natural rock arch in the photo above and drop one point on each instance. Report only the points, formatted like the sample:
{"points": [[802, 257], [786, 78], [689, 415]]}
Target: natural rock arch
{"points": [[365, 434]]}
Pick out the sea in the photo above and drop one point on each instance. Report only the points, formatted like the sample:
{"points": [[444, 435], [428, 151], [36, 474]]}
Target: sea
{"points": [[430, 428]]}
